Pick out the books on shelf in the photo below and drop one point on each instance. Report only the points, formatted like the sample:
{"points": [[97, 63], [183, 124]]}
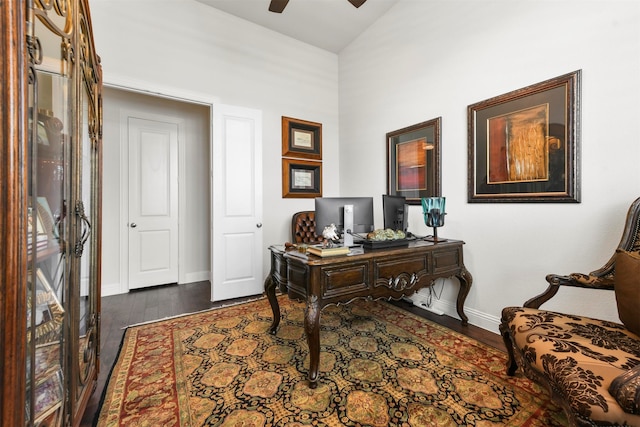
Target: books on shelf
{"points": [[320, 251]]}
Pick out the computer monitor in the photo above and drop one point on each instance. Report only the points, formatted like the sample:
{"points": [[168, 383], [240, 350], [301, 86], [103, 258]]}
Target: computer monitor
{"points": [[330, 210], [395, 211]]}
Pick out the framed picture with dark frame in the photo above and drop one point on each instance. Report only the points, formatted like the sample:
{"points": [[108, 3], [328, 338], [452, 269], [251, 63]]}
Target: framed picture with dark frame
{"points": [[524, 146], [301, 139], [413, 161], [301, 178]]}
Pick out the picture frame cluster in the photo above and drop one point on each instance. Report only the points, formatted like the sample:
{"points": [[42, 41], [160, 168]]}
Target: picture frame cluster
{"points": [[522, 147], [301, 158]]}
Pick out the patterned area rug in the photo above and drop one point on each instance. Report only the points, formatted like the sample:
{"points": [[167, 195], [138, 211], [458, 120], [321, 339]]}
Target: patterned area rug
{"points": [[379, 366]]}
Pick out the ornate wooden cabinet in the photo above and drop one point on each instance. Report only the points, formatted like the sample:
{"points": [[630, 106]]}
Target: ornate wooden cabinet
{"points": [[51, 214]]}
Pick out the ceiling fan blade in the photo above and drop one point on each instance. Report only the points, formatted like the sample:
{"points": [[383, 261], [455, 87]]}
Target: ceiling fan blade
{"points": [[357, 3], [277, 6]]}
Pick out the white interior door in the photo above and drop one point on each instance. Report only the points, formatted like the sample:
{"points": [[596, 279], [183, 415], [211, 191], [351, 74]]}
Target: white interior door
{"points": [[153, 202], [236, 203]]}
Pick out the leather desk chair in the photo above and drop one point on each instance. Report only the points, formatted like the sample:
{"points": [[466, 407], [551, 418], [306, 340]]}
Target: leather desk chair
{"points": [[303, 228]]}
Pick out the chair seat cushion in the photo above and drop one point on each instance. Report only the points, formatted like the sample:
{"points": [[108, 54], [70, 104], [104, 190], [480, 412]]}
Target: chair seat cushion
{"points": [[578, 356]]}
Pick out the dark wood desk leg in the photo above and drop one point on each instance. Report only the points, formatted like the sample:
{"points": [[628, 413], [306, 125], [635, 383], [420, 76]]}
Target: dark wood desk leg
{"points": [[466, 280], [312, 329], [270, 290]]}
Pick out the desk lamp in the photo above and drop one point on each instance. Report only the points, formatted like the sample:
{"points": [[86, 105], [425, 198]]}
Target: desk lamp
{"points": [[433, 211]]}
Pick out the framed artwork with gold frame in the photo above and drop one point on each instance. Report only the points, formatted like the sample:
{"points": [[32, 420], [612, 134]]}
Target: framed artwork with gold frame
{"points": [[301, 178], [301, 139], [523, 146]]}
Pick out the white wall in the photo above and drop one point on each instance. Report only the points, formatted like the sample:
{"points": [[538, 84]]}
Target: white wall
{"points": [[422, 60], [181, 47], [426, 59]]}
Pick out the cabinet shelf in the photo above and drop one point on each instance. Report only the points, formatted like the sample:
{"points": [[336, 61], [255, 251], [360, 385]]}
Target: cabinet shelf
{"points": [[52, 249]]}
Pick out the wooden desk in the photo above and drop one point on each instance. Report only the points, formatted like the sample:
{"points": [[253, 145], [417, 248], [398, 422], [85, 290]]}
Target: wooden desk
{"points": [[383, 273]]}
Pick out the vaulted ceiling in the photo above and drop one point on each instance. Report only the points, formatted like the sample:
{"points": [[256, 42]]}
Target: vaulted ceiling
{"points": [[328, 24]]}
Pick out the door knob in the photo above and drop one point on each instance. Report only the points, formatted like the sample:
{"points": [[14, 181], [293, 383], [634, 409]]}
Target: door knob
{"points": [[134, 225], [259, 225]]}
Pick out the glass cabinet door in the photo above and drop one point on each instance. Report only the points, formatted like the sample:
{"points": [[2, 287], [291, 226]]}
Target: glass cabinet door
{"points": [[85, 326], [63, 210], [50, 132]]}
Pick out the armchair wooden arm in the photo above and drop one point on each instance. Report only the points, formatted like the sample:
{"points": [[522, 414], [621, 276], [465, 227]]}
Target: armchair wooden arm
{"points": [[577, 280], [626, 390]]}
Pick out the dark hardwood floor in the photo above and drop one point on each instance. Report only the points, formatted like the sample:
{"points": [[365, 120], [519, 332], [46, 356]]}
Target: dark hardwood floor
{"points": [[120, 311]]}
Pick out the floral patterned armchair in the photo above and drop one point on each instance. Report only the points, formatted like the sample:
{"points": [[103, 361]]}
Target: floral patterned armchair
{"points": [[590, 366]]}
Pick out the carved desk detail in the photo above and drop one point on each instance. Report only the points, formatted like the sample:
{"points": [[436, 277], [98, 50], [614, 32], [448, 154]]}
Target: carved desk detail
{"points": [[380, 274]]}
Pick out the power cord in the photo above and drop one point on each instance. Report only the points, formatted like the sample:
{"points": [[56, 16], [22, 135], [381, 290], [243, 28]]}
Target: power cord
{"points": [[432, 293]]}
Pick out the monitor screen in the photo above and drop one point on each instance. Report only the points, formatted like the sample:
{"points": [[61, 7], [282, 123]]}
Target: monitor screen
{"points": [[395, 211], [330, 210]]}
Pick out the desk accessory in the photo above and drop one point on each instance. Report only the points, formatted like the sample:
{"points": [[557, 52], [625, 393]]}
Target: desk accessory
{"points": [[433, 211]]}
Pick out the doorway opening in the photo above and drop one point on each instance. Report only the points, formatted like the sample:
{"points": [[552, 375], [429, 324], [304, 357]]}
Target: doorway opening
{"points": [[165, 131]]}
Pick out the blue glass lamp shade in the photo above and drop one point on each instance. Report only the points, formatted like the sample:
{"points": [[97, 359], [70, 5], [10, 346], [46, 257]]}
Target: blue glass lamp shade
{"points": [[434, 212]]}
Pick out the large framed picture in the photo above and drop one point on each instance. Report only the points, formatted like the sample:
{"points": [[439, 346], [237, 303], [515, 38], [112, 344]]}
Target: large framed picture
{"points": [[523, 146], [413, 161], [301, 139], [301, 178]]}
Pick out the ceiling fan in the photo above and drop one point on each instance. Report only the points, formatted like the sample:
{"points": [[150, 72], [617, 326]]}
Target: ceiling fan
{"points": [[278, 6]]}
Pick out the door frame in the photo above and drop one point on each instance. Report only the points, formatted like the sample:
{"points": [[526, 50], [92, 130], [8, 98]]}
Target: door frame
{"points": [[144, 88]]}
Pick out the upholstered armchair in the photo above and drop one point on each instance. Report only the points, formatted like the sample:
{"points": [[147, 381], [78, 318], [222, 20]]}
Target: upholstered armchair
{"points": [[590, 366]]}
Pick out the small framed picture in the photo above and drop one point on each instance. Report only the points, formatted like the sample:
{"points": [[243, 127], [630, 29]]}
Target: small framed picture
{"points": [[49, 395], [301, 178], [301, 139]]}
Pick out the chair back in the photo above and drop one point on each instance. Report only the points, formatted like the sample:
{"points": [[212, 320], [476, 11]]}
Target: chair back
{"points": [[303, 228], [630, 240], [631, 236]]}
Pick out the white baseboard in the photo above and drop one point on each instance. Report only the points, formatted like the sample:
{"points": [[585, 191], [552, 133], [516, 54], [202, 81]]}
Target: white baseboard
{"points": [[198, 276], [477, 318], [117, 288], [112, 289]]}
